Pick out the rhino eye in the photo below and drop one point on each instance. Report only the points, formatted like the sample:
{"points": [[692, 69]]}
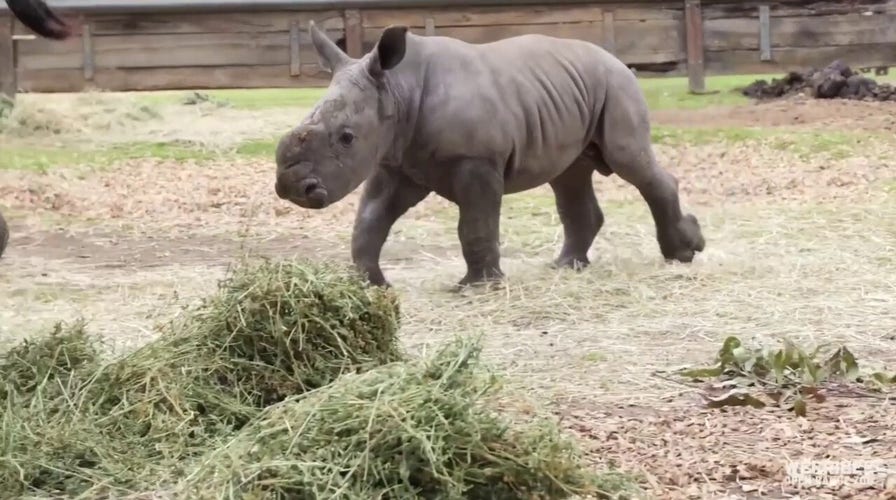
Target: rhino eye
{"points": [[346, 138]]}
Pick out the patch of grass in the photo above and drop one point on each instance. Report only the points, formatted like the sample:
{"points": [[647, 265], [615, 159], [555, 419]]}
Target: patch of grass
{"points": [[258, 148], [787, 377], [594, 357], [803, 143], [43, 159], [250, 99], [840, 144], [707, 135], [661, 93], [672, 92]]}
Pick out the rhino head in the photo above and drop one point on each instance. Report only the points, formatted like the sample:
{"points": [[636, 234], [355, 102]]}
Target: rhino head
{"points": [[341, 141]]}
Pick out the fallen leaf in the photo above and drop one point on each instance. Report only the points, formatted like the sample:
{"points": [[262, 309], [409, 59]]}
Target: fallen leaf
{"points": [[736, 397]]}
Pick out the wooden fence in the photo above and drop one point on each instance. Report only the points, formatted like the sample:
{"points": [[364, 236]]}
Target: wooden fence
{"points": [[178, 44]]}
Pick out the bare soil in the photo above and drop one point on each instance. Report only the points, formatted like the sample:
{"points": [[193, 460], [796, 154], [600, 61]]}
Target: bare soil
{"points": [[798, 246], [797, 111]]}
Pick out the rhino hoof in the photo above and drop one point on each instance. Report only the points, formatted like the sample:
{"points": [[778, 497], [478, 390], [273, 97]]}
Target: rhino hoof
{"points": [[686, 241], [574, 263], [375, 278], [485, 278]]}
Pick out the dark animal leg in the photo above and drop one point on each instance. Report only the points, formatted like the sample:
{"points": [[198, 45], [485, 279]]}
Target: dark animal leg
{"points": [[37, 16], [387, 196], [679, 235], [478, 190], [579, 212], [623, 140]]}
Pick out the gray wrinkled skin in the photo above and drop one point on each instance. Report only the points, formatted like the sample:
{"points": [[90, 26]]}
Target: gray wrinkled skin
{"points": [[420, 115]]}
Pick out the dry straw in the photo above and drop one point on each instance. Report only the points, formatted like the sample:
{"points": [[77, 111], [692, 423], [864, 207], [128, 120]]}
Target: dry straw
{"points": [[287, 382]]}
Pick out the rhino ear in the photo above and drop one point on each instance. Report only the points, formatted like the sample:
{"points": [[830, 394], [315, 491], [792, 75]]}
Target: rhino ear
{"points": [[389, 51], [331, 56]]}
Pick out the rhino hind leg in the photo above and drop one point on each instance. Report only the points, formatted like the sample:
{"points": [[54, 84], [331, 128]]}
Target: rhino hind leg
{"points": [[628, 153], [579, 213]]}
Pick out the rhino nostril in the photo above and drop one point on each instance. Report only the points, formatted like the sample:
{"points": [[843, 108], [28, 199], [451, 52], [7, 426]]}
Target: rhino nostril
{"points": [[309, 186]]}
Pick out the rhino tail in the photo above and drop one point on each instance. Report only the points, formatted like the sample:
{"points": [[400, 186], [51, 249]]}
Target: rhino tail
{"points": [[37, 16]]}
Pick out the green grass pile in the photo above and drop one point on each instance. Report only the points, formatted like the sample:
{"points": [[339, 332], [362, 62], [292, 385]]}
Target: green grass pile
{"points": [[272, 330], [428, 428], [36, 370], [287, 382]]}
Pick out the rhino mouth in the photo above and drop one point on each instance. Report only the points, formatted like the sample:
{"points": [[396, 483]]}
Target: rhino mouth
{"points": [[308, 193]]}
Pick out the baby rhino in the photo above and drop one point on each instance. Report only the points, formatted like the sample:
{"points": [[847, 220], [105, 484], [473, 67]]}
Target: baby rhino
{"points": [[472, 122]]}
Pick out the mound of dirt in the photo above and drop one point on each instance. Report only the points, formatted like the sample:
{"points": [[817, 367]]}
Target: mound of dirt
{"points": [[835, 81]]}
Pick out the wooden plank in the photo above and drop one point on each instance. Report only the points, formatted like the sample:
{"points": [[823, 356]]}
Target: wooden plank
{"points": [[429, 26], [732, 9], [741, 34], [295, 49], [42, 53], [225, 22], [636, 42], [801, 58], [354, 33], [765, 33], [694, 23], [481, 16], [148, 51], [609, 31], [72, 80], [590, 31], [8, 84], [650, 42], [653, 12]]}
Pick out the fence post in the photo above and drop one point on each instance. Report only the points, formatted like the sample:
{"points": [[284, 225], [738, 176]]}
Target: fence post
{"points": [[8, 84], [354, 33], [765, 33], [609, 26], [693, 18]]}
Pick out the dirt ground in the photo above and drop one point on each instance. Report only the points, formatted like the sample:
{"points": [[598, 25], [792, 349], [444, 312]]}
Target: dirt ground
{"points": [[798, 246]]}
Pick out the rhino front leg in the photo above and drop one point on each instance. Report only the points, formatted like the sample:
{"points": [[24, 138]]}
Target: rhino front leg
{"points": [[478, 188], [579, 212], [678, 234], [387, 196]]}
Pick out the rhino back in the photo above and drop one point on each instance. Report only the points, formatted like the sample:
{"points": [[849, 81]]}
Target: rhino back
{"points": [[531, 103]]}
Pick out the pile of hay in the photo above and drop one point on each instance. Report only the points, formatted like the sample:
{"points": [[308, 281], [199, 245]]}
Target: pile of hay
{"points": [[271, 331], [423, 429], [288, 380], [836, 80]]}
